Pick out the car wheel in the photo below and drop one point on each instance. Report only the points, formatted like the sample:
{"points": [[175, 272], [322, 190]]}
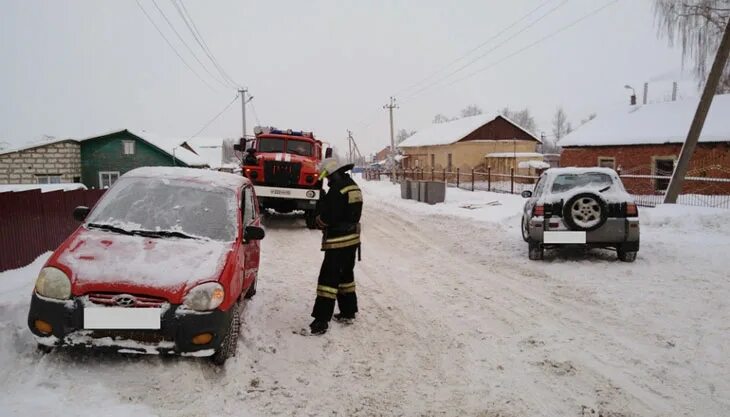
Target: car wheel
{"points": [[525, 230], [251, 290], [536, 251], [626, 255], [229, 344], [585, 211]]}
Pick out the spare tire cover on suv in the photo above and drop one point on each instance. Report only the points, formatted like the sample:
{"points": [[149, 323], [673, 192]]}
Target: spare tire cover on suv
{"points": [[585, 211]]}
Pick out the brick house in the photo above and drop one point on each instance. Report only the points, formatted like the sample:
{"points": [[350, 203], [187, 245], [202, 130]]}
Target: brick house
{"points": [[646, 140], [96, 161], [42, 163], [382, 155], [471, 143]]}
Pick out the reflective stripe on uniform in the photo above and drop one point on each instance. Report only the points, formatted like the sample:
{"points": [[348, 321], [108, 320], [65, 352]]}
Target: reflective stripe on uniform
{"points": [[341, 238], [349, 188], [327, 292], [347, 288], [343, 244], [354, 196]]}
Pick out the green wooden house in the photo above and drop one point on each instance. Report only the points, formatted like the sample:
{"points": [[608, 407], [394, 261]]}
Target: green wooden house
{"points": [[104, 158]]}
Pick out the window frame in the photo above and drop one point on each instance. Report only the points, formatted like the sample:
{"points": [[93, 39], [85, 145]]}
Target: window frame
{"points": [[129, 145], [654, 172], [49, 178], [612, 159], [101, 181], [248, 206]]}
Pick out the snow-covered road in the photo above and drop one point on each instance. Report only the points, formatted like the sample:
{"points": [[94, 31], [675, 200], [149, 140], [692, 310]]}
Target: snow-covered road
{"points": [[454, 321]]}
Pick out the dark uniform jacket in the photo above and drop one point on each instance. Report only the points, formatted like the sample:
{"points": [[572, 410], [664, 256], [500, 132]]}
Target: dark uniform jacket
{"points": [[339, 214]]}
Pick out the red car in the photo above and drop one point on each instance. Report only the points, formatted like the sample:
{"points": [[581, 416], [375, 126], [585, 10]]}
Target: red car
{"points": [[160, 265]]}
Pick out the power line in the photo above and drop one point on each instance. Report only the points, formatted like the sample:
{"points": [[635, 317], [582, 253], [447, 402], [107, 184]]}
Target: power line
{"points": [[154, 2], [495, 36], [205, 126], [256, 116], [499, 45], [187, 18], [171, 46], [529, 46]]}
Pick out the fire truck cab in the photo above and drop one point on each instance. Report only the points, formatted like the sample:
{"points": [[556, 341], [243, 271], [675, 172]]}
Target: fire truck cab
{"points": [[283, 166]]}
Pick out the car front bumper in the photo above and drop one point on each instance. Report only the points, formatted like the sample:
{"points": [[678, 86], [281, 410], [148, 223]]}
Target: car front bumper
{"points": [[615, 231], [178, 326]]}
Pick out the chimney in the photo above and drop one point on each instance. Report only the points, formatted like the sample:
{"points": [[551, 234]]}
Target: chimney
{"points": [[674, 91], [646, 91]]}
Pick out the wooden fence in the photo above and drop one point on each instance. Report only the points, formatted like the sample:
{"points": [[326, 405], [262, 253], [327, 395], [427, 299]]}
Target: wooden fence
{"points": [[32, 222]]}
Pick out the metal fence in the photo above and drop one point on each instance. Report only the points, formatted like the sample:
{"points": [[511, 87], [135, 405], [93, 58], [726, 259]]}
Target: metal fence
{"points": [[647, 190], [32, 222]]}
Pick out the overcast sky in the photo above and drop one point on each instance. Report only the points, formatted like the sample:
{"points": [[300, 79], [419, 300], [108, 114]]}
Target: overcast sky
{"points": [[78, 68]]}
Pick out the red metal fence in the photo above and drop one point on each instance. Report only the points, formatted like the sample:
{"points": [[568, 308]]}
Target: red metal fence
{"points": [[32, 222]]}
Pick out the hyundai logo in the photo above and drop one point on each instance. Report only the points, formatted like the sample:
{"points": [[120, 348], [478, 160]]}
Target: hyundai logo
{"points": [[125, 300]]}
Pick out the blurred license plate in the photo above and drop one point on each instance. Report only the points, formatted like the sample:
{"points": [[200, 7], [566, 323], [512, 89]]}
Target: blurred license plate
{"points": [[121, 318], [564, 237]]}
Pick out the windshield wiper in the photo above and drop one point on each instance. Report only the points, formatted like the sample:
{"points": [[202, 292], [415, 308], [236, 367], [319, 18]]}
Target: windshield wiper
{"points": [[162, 233], [110, 228]]}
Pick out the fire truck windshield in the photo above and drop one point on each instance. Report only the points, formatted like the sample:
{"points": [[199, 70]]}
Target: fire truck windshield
{"points": [[271, 145], [299, 147]]}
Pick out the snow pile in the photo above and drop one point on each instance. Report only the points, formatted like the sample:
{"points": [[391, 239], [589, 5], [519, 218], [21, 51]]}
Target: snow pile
{"points": [[533, 164], [653, 124], [44, 188]]}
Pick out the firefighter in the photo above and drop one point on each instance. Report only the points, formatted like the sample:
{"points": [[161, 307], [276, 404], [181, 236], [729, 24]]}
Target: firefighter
{"points": [[339, 218]]}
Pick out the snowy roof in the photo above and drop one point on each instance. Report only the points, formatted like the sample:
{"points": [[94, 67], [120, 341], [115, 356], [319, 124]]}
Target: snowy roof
{"points": [[579, 170], [168, 145], [653, 124], [216, 178], [533, 164], [454, 131], [4, 188], [32, 145], [514, 155]]}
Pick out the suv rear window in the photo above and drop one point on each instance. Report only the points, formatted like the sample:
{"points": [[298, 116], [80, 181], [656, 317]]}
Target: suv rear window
{"points": [[567, 182]]}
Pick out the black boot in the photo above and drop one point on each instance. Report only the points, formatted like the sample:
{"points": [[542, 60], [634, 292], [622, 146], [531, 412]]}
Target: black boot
{"points": [[345, 318], [318, 327]]}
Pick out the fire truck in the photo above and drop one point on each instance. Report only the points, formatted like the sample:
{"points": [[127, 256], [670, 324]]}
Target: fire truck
{"points": [[283, 166]]}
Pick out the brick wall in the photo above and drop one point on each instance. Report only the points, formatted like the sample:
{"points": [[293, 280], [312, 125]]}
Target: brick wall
{"points": [[711, 160], [24, 167]]}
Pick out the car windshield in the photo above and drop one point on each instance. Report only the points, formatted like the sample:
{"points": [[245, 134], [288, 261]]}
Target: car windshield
{"points": [[271, 145], [299, 147], [169, 208], [567, 182]]}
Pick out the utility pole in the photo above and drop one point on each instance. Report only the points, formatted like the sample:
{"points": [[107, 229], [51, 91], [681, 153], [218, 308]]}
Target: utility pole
{"points": [[390, 106], [349, 145], [243, 92], [688, 149]]}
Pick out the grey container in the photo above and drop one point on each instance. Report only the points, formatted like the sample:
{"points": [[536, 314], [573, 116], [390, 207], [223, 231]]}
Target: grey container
{"points": [[422, 191], [415, 190], [433, 192], [405, 189]]}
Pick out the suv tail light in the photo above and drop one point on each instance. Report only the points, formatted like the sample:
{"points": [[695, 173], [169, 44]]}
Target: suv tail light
{"points": [[538, 210], [632, 210]]}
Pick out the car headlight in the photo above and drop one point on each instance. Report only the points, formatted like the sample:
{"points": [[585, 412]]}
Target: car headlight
{"points": [[53, 283], [205, 297]]}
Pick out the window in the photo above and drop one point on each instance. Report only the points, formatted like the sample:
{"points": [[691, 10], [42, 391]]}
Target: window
{"points": [[607, 162], [271, 145], [567, 182], [128, 147], [249, 208], [107, 178], [540, 186], [449, 163], [433, 160], [48, 179], [299, 147], [663, 167]]}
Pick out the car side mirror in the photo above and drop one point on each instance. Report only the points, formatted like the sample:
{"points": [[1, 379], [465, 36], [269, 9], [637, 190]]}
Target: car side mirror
{"points": [[253, 233], [526, 194], [80, 213], [328, 153]]}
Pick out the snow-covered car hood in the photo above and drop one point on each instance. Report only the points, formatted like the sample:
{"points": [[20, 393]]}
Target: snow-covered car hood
{"points": [[104, 261]]}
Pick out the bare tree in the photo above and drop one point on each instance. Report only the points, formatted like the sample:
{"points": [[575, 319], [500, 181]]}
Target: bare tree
{"points": [[471, 110], [587, 119], [403, 135], [440, 118], [560, 124], [522, 117], [698, 26]]}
